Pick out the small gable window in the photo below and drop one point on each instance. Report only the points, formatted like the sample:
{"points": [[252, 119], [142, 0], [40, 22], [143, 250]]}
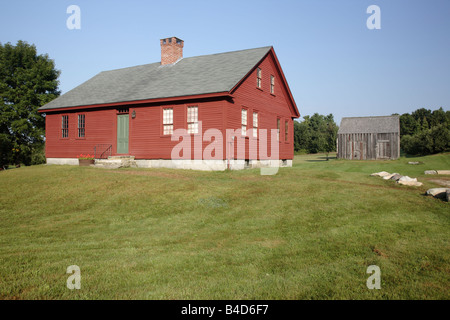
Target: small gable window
{"points": [[258, 77], [168, 121]]}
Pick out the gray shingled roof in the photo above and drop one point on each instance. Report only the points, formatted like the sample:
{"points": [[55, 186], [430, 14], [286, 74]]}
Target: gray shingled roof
{"points": [[383, 124], [189, 76]]}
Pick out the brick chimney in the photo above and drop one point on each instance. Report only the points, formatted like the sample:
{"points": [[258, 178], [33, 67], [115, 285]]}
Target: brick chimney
{"points": [[171, 50]]}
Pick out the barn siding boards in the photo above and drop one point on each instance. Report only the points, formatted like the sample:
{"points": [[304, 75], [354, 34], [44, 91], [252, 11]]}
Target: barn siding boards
{"points": [[369, 138]]}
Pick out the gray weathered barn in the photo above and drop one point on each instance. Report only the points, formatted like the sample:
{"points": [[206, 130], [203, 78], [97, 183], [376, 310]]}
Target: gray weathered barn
{"points": [[369, 138]]}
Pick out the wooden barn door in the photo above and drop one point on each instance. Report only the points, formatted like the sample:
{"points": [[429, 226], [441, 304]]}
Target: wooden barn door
{"points": [[383, 149], [122, 133]]}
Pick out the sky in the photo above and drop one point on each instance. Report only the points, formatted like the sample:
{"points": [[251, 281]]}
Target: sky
{"points": [[332, 61]]}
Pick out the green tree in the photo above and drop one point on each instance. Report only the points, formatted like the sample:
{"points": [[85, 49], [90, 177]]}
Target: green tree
{"points": [[27, 81], [315, 134]]}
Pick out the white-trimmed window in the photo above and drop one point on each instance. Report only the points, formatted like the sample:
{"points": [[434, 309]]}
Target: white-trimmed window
{"points": [[278, 129], [258, 77], [81, 126], [255, 124], [167, 121], [65, 126], [272, 84], [192, 119], [244, 122], [286, 127]]}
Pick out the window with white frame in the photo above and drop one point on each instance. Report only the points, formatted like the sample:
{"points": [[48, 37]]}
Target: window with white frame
{"points": [[286, 126], [65, 126], [278, 129], [167, 121], [272, 84], [255, 124], [258, 78], [244, 122], [192, 119]]}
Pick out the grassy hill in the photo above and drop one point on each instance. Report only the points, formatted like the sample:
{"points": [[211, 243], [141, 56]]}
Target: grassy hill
{"points": [[309, 232]]}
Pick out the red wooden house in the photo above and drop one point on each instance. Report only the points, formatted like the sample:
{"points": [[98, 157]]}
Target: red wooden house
{"points": [[137, 111]]}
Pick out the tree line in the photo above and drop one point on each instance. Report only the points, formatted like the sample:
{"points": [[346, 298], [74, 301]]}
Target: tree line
{"points": [[425, 132], [27, 81], [316, 133]]}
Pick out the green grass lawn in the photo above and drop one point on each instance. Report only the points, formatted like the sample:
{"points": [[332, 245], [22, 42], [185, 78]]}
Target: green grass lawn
{"points": [[309, 232]]}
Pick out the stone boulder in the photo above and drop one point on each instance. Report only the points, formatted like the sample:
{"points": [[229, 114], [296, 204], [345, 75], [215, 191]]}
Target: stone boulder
{"points": [[406, 178], [380, 174], [410, 183], [443, 171], [430, 172], [441, 193], [387, 177], [396, 177]]}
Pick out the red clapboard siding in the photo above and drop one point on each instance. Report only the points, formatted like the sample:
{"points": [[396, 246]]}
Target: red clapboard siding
{"points": [[269, 106], [146, 139], [100, 126]]}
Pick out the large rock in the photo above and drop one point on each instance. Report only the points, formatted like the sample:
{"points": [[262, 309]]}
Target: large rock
{"points": [[430, 172], [440, 193], [413, 162], [410, 183], [443, 172], [387, 177], [406, 178], [396, 177], [380, 174]]}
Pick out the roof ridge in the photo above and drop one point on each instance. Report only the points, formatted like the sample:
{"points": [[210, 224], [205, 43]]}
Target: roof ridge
{"points": [[395, 115], [187, 58]]}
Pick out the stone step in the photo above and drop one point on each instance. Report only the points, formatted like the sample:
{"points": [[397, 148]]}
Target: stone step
{"points": [[121, 157], [116, 162]]}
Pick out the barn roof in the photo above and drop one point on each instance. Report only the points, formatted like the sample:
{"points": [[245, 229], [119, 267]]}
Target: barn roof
{"points": [[382, 124], [190, 76]]}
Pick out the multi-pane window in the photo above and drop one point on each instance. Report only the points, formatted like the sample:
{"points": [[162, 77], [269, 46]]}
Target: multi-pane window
{"points": [[244, 122], [192, 119], [255, 124], [278, 129], [81, 126], [258, 78], [272, 84], [286, 126], [65, 126], [168, 121]]}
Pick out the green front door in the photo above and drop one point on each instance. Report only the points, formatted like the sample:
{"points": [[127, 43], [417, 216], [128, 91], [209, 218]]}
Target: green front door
{"points": [[122, 133]]}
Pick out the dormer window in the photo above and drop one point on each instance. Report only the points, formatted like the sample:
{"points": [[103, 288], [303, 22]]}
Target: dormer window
{"points": [[258, 78]]}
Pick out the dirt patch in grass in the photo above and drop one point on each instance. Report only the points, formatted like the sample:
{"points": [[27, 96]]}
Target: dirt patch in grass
{"points": [[379, 252], [445, 182]]}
